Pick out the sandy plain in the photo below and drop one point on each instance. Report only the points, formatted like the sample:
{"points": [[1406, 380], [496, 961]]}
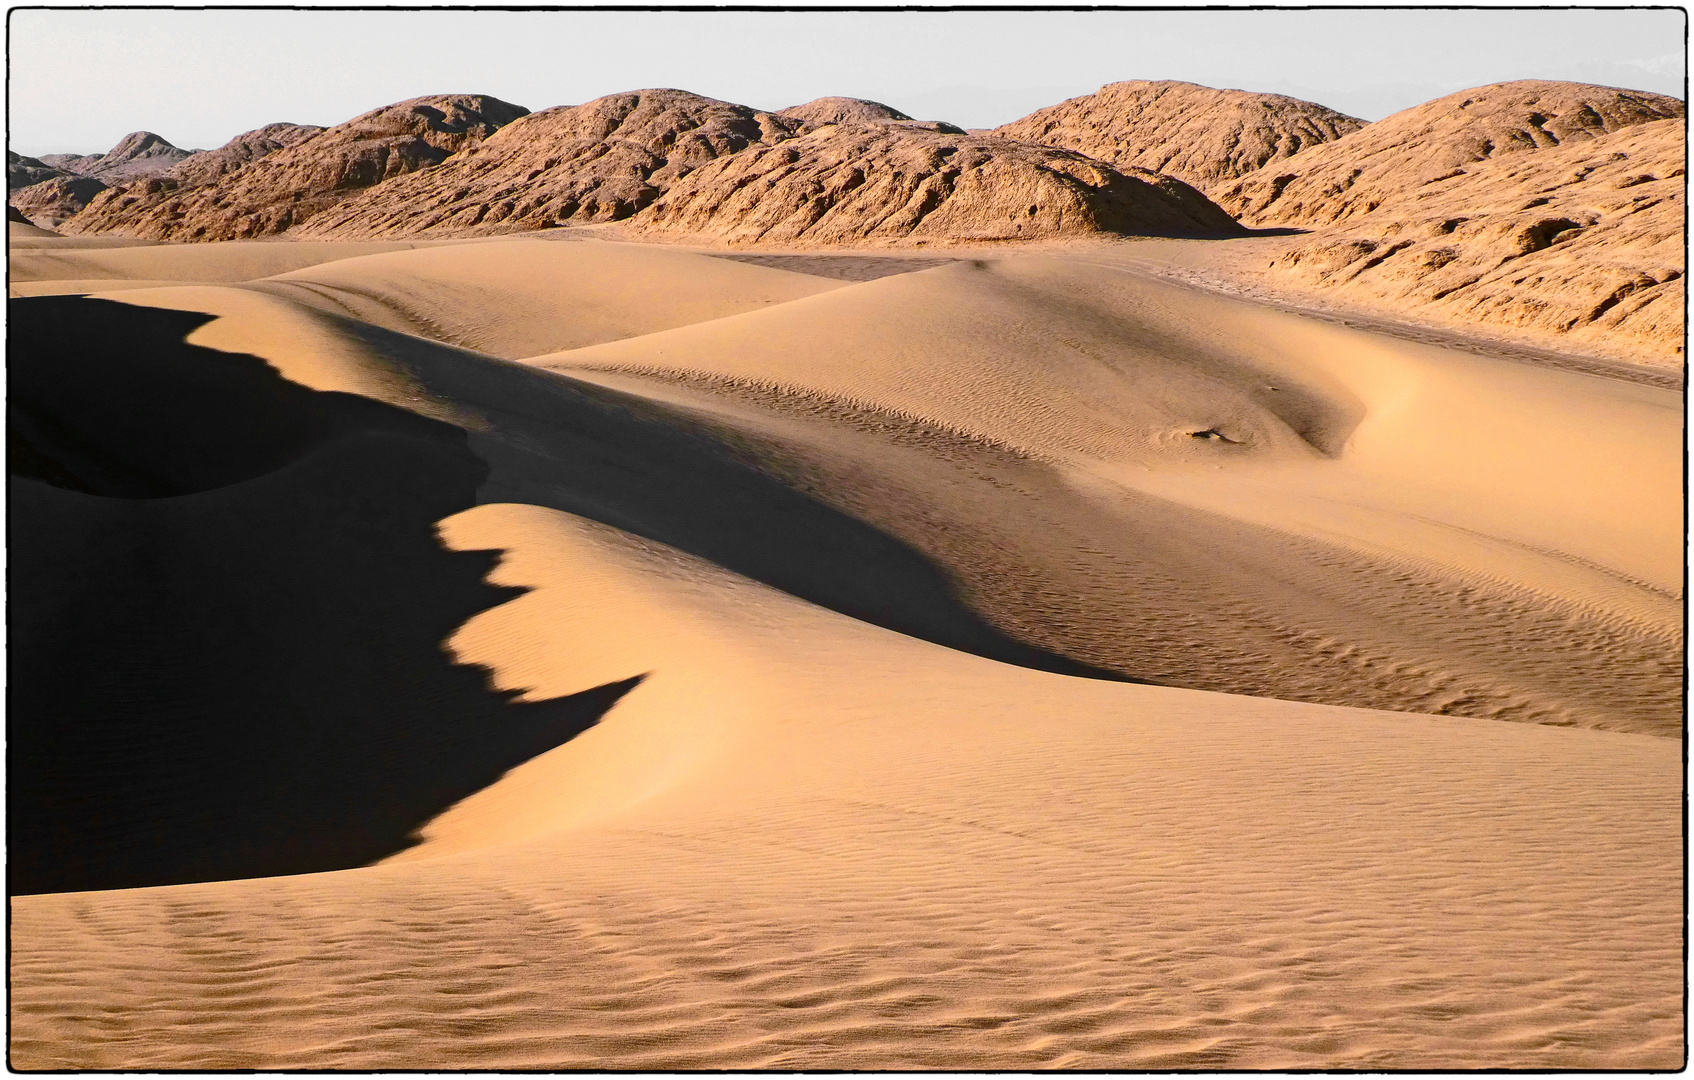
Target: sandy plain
{"points": [[998, 658]]}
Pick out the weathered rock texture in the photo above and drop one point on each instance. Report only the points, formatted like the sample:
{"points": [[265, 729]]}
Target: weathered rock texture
{"points": [[1433, 143], [209, 166], [1583, 239], [51, 202], [842, 110], [1204, 136], [846, 110], [283, 188], [876, 183], [602, 161], [22, 171]]}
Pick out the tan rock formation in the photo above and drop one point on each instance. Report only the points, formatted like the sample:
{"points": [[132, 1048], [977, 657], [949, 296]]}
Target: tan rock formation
{"points": [[1204, 136], [842, 110], [601, 161], [882, 183], [290, 185], [1583, 239], [211, 165], [51, 202], [1434, 143]]}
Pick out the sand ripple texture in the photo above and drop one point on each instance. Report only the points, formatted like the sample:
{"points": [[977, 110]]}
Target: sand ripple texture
{"points": [[1395, 781], [1038, 893]]}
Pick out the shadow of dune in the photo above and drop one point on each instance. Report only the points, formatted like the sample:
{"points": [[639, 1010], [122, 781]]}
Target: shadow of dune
{"points": [[227, 604], [228, 599], [551, 440]]}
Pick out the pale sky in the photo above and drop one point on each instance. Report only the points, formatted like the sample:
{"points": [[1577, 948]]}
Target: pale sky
{"points": [[80, 80]]}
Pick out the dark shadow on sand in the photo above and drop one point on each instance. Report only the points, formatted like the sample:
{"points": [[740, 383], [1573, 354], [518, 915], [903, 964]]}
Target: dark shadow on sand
{"points": [[228, 600], [554, 441], [227, 608]]}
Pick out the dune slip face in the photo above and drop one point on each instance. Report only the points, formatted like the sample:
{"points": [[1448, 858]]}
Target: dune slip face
{"points": [[505, 653]]}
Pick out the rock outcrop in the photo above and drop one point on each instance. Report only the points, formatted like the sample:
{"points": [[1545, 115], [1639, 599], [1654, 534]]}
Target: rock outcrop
{"points": [[601, 161], [21, 172], [209, 166], [289, 185], [881, 183], [842, 110], [1433, 144], [51, 202], [1582, 239], [846, 110], [138, 155], [1200, 135]]}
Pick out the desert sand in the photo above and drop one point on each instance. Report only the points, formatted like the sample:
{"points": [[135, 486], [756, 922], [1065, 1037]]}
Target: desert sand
{"points": [[569, 652], [1185, 580]]}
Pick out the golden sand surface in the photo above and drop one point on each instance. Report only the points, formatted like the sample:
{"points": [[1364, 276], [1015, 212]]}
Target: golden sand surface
{"points": [[1035, 658]]}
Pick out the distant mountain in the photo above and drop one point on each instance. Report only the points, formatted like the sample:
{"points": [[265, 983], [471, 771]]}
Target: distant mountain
{"points": [[291, 172], [23, 171], [139, 154]]}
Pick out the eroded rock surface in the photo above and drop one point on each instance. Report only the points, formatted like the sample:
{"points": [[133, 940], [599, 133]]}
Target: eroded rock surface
{"points": [[278, 189], [602, 161], [873, 183], [1583, 239], [1204, 136]]}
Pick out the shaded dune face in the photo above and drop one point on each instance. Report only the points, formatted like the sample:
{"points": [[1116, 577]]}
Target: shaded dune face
{"points": [[228, 599], [552, 440]]}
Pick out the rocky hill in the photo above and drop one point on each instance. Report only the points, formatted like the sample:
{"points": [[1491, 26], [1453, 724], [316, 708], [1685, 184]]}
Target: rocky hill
{"points": [[138, 155], [22, 171], [601, 161], [1432, 144], [291, 184], [209, 166], [880, 183], [51, 202], [1583, 239], [1204, 136], [842, 110]]}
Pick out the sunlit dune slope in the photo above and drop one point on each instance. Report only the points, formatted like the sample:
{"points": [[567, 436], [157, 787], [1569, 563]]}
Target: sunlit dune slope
{"points": [[1197, 491], [100, 258], [748, 693], [802, 842], [522, 297]]}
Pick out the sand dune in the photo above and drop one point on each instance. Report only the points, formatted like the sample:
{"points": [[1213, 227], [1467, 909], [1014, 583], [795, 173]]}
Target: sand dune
{"points": [[781, 865], [741, 684], [1263, 429], [524, 297], [105, 258], [1203, 136]]}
